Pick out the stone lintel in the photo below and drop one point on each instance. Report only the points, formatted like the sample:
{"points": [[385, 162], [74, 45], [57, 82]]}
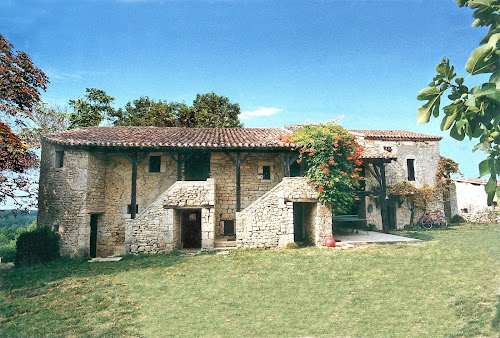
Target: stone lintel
{"points": [[311, 200], [188, 207]]}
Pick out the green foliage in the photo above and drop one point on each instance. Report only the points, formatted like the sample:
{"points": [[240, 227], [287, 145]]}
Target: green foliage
{"points": [[413, 227], [12, 225], [91, 109], [45, 120], [291, 245], [457, 219], [39, 245], [414, 198], [212, 110], [332, 157], [16, 219], [208, 111], [148, 112], [472, 112]]}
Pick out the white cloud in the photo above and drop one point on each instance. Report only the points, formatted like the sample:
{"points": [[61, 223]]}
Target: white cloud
{"points": [[262, 111]]}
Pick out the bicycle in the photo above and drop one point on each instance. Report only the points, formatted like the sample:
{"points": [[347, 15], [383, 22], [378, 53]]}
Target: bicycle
{"points": [[432, 219]]}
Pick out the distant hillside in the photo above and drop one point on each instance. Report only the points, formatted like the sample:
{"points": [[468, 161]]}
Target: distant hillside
{"points": [[16, 219]]}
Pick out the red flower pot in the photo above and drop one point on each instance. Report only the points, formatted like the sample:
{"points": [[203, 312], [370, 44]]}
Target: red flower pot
{"points": [[330, 242]]}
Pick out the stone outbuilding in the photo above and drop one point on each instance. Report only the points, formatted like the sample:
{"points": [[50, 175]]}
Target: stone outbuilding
{"points": [[116, 190]]}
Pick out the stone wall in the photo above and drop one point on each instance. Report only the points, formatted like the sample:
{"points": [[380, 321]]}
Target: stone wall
{"points": [[426, 155], [471, 198], [482, 217], [157, 228], [268, 222], [223, 170], [68, 195]]}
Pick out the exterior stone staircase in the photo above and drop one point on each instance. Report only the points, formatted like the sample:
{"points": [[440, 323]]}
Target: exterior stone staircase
{"points": [[225, 243]]}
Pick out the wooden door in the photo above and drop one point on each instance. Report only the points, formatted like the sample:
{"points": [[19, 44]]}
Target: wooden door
{"points": [[93, 235], [191, 229]]}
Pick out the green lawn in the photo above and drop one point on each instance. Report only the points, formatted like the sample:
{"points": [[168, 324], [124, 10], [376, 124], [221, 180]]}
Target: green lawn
{"points": [[447, 286]]}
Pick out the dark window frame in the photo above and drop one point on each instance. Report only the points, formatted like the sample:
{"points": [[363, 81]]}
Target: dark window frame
{"points": [[229, 223], [266, 172], [129, 209], [59, 158], [154, 164], [410, 166]]}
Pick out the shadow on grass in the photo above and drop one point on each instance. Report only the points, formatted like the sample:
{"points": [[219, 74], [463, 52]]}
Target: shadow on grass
{"points": [[495, 323], [39, 275]]}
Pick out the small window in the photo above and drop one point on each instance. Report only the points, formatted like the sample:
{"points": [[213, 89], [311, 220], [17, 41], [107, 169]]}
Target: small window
{"points": [[465, 211], [129, 209], [266, 172], [228, 228], [154, 164], [410, 164], [388, 149], [59, 158]]}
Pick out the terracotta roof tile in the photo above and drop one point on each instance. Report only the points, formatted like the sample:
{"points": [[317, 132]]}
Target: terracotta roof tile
{"points": [[154, 137], [473, 180], [394, 135], [212, 138], [371, 153]]}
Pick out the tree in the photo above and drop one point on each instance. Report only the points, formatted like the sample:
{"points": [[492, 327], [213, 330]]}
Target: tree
{"points": [[446, 167], [414, 198], [20, 85], [91, 109], [473, 112], [212, 110], [45, 120], [332, 155], [148, 112], [208, 111]]}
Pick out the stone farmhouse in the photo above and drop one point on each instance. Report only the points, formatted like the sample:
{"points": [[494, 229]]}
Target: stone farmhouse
{"points": [[115, 190], [472, 200]]}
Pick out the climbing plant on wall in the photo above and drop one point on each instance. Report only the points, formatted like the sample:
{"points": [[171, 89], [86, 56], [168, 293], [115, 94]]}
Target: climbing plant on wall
{"points": [[331, 155]]}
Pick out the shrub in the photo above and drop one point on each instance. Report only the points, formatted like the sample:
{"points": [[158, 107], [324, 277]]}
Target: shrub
{"points": [[457, 219], [292, 245], [413, 227], [331, 155], [39, 245]]}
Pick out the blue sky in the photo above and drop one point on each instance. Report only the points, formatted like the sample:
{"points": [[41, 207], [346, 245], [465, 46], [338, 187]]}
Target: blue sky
{"points": [[284, 62]]}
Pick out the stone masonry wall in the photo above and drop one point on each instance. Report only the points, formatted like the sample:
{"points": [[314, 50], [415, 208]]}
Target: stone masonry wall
{"points": [[426, 155], [157, 228], [268, 222], [68, 195], [223, 170]]}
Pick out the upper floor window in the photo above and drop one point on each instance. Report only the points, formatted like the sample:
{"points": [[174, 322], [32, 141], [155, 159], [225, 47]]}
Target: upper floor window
{"points": [[266, 172], [154, 164], [59, 159], [410, 165]]}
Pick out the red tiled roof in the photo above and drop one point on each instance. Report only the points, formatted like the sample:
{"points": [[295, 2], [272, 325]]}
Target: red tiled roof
{"points": [[473, 180], [154, 137], [394, 135], [371, 153], [212, 138]]}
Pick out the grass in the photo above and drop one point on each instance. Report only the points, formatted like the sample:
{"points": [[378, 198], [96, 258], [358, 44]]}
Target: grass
{"points": [[444, 287]]}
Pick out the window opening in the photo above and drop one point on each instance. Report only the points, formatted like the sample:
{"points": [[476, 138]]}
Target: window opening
{"points": [[410, 163], [59, 158], [229, 227], [154, 164], [266, 172], [129, 209]]}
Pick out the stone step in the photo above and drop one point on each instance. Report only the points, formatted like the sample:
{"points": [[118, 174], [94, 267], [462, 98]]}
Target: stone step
{"points": [[223, 243], [224, 248]]}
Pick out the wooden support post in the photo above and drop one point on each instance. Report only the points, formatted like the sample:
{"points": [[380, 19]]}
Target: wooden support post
{"points": [[134, 160], [238, 162], [287, 160]]}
